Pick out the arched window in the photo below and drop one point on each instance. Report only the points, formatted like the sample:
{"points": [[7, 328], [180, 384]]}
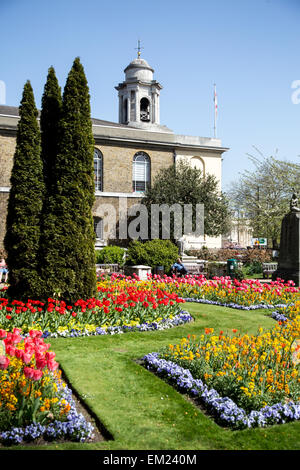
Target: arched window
{"points": [[98, 167], [145, 110], [141, 172], [98, 228], [198, 163]]}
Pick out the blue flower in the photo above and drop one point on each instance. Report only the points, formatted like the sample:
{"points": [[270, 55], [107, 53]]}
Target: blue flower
{"points": [[223, 408]]}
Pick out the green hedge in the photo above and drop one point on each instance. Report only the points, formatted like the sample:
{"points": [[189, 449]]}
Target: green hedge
{"points": [[110, 255], [152, 253]]}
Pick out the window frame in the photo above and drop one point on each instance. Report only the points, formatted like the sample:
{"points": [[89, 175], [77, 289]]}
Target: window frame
{"points": [[98, 220], [98, 169], [147, 171]]}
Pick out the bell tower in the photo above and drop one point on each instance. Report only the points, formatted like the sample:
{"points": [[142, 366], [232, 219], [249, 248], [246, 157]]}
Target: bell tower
{"points": [[139, 96]]}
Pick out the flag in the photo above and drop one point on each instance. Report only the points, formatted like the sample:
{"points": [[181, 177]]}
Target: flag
{"points": [[216, 102]]}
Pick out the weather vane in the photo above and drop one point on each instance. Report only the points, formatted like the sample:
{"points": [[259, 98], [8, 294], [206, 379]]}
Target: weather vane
{"points": [[139, 49]]}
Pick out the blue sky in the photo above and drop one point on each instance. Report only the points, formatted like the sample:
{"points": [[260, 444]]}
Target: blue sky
{"points": [[249, 48]]}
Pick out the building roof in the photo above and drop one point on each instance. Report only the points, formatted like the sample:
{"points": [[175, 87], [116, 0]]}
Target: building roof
{"points": [[121, 134], [13, 111]]}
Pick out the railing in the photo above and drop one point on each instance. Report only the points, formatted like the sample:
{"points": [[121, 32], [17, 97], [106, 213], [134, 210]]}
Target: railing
{"points": [[108, 268], [268, 269]]}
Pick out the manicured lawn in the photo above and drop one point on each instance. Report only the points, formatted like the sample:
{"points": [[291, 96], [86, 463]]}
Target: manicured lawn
{"points": [[143, 412]]}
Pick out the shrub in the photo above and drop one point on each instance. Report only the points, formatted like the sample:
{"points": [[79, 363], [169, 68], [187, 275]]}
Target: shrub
{"points": [[110, 255], [153, 253], [257, 255]]}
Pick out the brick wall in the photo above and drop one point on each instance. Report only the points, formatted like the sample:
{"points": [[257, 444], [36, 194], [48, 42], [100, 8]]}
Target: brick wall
{"points": [[117, 174]]}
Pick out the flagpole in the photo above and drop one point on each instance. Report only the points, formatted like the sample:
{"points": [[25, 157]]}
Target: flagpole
{"points": [[215, 111]]}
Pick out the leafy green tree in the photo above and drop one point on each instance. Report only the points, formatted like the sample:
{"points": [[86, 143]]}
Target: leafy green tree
{"points": [[68, 227], [183, 184], [262, 195], [25, 203]]}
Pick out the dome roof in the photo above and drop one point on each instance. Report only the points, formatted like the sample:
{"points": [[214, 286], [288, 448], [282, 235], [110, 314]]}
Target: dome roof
{"points": [[139, 69], [139, 63]]}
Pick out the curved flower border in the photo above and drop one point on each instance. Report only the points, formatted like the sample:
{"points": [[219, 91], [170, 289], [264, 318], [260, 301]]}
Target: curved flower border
{"points": [[223, 409], [165, 323], [234, 305], [75, 427]]}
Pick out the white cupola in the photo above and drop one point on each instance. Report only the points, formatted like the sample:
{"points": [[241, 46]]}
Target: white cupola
{"points": [[139, 97]]}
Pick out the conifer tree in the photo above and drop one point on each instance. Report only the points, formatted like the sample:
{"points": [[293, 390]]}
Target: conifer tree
{"points": [[25, 203], [50, 126], [68, 228]]}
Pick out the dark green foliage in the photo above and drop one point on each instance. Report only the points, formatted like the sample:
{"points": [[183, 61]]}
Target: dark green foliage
{"points": [[182, 184], [49, 124], [68, 227], [25, 203], [50, 128], [110, 255], [152, 253]]}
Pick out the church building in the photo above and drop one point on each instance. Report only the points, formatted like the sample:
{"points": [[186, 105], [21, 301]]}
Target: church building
{"points": [[128, 154]]}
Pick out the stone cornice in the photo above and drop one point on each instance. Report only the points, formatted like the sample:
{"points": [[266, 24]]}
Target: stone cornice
{"points": [[134, 137]]}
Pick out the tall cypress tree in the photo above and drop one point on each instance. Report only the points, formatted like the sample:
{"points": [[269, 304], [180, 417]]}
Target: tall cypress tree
{"points": [[25, 203], [69, 230], [49, 125], [50, 128]]}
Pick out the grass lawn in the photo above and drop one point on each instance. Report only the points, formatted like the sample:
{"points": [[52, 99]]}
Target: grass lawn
{"points": [[143, 412]]}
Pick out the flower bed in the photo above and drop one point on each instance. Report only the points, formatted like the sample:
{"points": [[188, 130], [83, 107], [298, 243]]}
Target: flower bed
{"points": [[245, 381], [116, 309], [223, 409], [90, 330], [34, 401], [287, 312], [247, 294]]}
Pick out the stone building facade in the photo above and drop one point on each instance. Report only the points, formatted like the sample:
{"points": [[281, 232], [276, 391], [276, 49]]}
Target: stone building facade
{"points": [[128, 154]]}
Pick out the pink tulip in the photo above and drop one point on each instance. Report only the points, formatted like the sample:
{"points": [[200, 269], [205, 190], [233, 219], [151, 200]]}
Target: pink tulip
{"points": [[4, 362], [3, 334], [28, 371], [50, 355], [37, 374], [27, 357], [15, 338], [52, 365]]}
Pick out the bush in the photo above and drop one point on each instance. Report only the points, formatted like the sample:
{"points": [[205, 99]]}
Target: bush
{"points": [[110, 255], [256, 255], [152, 253], [253, 268]]}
